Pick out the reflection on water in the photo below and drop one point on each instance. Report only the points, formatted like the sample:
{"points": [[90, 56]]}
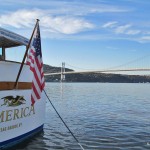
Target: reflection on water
{"points": [[103, 116]]}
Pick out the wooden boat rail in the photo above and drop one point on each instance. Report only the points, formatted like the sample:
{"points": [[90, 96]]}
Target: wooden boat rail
{"points": [[10, 85]]}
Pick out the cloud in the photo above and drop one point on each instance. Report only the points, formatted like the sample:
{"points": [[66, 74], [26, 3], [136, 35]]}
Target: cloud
{"points": [[133, 32], [66, 25], [61, 24], [110, 24], [77, 7], [122, 29], [103, 8], [145, 39], [20, 18], [140, 39], [126, 29], [147, 32]]}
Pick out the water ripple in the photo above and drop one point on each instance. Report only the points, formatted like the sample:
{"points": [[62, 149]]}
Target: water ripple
{"points": [[102, 117]]}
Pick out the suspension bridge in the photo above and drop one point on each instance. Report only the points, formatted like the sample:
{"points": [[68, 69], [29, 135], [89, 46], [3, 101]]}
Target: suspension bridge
{"points": [[136, 66], [63, 72]]}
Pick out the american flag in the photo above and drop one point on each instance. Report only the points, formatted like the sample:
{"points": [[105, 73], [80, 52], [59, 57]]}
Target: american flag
{"points": [[34, 60]]}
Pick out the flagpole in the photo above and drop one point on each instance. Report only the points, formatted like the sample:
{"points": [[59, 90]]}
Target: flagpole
{"points": [[25, 55]]}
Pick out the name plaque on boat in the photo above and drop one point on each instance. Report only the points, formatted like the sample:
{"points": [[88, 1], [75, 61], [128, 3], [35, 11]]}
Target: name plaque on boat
{"points": [[14, 108], [17, 115]]}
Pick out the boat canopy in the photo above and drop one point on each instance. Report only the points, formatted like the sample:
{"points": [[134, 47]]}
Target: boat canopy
{"points": [[10, 39]]}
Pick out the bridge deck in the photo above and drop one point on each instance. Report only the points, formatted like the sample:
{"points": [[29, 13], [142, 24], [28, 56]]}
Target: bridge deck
{"points": [[97, 71]]}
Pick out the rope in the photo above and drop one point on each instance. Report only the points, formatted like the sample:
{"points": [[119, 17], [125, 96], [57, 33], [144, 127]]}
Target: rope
{"points": [[64, 121]]}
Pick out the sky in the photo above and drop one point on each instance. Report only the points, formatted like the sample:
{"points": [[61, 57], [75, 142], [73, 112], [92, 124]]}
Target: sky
{"points": [[85, 34]]}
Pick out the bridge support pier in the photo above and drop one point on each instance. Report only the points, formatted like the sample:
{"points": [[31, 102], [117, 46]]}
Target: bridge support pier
{"points": [[62, 72]]}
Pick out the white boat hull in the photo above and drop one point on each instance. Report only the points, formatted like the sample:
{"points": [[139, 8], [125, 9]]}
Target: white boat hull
{"points": [[19, 120]]}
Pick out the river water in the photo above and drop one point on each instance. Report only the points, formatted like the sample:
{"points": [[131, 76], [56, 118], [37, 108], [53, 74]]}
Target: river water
{"points": [[103, 116]]}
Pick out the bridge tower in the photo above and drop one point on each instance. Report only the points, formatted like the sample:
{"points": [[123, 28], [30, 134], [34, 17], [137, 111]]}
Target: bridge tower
{"points": [[62, 72]]}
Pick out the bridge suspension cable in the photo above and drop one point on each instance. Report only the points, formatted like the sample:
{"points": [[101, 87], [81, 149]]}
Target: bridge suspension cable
{"points": [[138, 63], [124, 68]]}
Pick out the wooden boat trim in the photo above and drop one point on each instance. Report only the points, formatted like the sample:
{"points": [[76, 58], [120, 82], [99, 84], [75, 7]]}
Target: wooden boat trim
{"points": [[10, 85]]}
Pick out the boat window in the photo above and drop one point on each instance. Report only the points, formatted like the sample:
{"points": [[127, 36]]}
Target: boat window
{"points": [[0, 53], [15, 53]]}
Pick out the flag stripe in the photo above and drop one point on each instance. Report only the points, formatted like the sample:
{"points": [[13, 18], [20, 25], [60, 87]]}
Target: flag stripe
{"points": [[37, 77], [34, 60], [35, 91], [32, 100], [37, 85]]}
